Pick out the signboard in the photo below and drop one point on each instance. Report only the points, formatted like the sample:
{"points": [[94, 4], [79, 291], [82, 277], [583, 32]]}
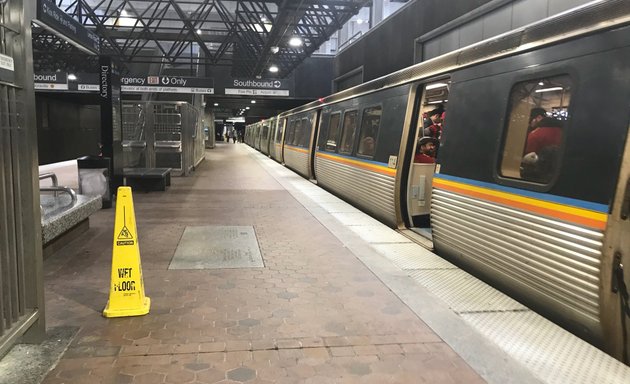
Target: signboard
{"points": [[7, 69], [54, 19], [258, 87], [51, 81], [167, 84]]}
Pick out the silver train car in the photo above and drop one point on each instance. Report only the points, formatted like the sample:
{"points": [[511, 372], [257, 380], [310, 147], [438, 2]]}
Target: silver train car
{"points": [[530, 188]]}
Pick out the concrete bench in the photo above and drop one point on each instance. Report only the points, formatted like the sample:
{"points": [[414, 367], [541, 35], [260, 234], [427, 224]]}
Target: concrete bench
{"points": [[64, 219], [147, 179]]}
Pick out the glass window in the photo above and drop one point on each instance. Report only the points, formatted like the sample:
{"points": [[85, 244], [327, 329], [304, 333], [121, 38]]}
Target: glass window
{"points": [[290, 133], [348, 131], [306, 130], [279, 132], [537, 120], [298, 132], [369, 130], [265, 132], [333, 132]]}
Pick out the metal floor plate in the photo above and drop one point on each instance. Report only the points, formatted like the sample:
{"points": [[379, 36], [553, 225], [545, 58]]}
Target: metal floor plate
{"points": [[465, 293], [411, 256], [555, 355], [216, 247], [355, 218]]}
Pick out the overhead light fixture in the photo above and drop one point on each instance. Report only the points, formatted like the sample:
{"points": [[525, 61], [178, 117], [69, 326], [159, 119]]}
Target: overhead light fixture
{"points": [[253, 101], [436, 85], [273, 69], [549, 89], [199, 31], [216, 104], [295, 42], [275, 49], [541, 83], [359, 21], [72, 77], [124, 13], [247, 108], [263, 19]]}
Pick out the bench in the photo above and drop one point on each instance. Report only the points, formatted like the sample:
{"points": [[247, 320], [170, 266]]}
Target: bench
{"points": [[147, 179]]}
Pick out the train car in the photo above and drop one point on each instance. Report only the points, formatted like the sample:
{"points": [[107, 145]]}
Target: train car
{"points": [[530, 189], [277, 138], [248, 135], [265, 134], [299, 140]]}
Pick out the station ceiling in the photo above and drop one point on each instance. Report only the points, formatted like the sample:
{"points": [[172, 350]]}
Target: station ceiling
{"points": [[243, 37], [247, 36]]}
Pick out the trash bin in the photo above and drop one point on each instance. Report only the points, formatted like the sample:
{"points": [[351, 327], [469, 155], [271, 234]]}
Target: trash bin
{"points": [[94, 175]]}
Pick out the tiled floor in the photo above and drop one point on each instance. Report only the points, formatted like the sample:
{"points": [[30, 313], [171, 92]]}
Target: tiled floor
{"points": [[313, 314]]}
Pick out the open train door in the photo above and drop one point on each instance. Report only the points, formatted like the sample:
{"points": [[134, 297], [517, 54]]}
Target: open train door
{"points": [[429, 109], [616, 267]]}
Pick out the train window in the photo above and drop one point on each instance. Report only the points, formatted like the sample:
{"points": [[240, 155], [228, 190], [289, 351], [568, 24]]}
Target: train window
{"points": [[369, 130], [536, 121], [298, 132], [333, 132], [265, 131], [290, 133], [279, 132], [306, 130], [348, 131]]}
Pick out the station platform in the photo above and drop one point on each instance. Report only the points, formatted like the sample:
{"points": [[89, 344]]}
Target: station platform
{"points": [[335, 297]]}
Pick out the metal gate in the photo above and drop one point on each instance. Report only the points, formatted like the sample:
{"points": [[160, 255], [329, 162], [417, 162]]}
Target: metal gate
{"points": [[21, 278], [162, 134]]}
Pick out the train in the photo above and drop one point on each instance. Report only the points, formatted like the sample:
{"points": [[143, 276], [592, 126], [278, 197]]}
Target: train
{"points": [[547, 223]]}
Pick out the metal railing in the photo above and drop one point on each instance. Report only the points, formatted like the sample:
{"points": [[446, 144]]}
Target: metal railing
{"points": [[56, 188]]}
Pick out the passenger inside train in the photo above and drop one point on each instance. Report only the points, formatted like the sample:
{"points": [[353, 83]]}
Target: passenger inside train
{"points": [[537, 119], [426, 150], [435, 128]]}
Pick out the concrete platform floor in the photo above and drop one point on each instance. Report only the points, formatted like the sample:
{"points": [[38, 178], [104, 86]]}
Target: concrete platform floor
{"points": [[314, 314]]}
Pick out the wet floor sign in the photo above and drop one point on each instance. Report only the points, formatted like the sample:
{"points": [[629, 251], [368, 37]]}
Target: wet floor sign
{"points": [[126, 292]]}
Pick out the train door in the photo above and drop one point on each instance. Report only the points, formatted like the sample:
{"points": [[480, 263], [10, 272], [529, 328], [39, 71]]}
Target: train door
{"points": [[616, 265], [430, 110], [313, 149]]}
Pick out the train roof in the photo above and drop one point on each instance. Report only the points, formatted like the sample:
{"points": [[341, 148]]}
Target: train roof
{"points": [[589, 18]]}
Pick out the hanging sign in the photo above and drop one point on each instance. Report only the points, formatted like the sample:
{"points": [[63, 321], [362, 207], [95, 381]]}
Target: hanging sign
{"points": [[58, 22], [167, 84]]}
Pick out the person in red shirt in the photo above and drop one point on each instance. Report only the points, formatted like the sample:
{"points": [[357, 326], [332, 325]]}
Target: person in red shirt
{"points": [[542, 147], [547, 132], [425, 152], [435, 129]]}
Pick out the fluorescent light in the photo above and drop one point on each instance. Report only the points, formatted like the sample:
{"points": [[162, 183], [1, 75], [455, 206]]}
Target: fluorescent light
{"points": [[253, 101], [273, 69], [246, 107], [436, 85], [216, 104], [435, 102], [549, 89], [295, 42], [72, 77]]}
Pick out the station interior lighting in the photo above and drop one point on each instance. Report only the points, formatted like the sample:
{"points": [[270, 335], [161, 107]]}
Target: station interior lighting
{"points": [[72, 77], [273, 69], [275, 49], [216, 104], [295, 42], [253, 101]]}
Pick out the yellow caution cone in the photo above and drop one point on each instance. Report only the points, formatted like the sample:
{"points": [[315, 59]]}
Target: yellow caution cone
{"points": [[126, 292]]}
